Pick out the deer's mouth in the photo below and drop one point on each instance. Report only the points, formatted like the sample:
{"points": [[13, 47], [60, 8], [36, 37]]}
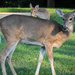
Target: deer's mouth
{"points": [[65, 28]]}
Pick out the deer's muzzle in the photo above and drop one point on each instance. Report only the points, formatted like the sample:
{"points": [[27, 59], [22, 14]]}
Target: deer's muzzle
{"points": [[65, 28]]}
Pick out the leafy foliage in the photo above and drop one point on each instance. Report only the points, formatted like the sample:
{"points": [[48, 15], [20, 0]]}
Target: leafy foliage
{"points": [[42, 3]]}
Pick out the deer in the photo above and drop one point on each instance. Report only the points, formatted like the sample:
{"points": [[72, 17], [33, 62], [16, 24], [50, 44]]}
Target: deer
{"points": [[41, 13], [47, 34]]}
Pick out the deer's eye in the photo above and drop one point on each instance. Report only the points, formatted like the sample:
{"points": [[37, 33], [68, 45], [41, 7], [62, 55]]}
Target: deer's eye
{"points": [[70, 18], [63, 19]]}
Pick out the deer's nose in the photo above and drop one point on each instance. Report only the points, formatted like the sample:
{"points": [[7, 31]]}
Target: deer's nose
{"points": [[65, 28]]}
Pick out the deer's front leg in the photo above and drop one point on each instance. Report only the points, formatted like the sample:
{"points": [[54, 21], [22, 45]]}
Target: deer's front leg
{"points": [[50, 55], [10, 63], [41, 56]]}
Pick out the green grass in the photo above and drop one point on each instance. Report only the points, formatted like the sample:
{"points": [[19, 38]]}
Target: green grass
{"points": [[14, 10], [25, 57], [52, 10]]}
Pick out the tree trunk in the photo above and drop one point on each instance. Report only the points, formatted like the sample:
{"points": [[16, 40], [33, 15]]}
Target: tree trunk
{"points": [[50, 3]]}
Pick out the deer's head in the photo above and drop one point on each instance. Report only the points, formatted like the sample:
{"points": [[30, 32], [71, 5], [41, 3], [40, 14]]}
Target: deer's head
{"points": [[67, 18], [34, 10]]}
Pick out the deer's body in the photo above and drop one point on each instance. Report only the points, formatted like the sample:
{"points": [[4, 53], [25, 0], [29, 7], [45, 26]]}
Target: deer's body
{"points": [[25, 31], [35, 31], [41, 13]]}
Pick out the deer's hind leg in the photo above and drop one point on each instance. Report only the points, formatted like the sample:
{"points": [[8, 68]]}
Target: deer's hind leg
{"points": [[7, 50]]}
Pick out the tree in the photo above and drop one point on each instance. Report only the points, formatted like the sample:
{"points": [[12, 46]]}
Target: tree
{"points": [[51, 3]]}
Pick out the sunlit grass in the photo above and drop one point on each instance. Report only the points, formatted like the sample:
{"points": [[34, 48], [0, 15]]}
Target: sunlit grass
{"points": [[14, 10], [51, 10]]}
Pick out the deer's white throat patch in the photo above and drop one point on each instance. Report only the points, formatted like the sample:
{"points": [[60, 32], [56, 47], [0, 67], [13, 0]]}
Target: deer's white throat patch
{"points": [[71, 27]]}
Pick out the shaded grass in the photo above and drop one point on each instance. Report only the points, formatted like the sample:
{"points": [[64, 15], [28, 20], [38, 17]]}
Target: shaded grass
{"points": [[25, 57]]}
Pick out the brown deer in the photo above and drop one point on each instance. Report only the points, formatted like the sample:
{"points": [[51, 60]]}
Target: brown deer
{"points": [[41, 13], [34, 31]]}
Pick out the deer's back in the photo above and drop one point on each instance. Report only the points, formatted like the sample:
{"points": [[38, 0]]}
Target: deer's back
{"points": [[21, 26], [43, 13], [43, 10]]}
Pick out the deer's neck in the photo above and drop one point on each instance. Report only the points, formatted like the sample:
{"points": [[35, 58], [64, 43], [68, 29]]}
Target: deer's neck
{"points": [[70, 30], [62, 37], [58, 37]]}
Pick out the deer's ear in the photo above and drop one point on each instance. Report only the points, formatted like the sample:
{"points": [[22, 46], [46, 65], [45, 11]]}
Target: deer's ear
{"points": [[59, 12], [73, 13], [37, 7], [31, 6]]}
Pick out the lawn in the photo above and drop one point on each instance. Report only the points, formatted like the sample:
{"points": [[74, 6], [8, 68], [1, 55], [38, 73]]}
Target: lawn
{"points": [[28, 10], [25, 57]]}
